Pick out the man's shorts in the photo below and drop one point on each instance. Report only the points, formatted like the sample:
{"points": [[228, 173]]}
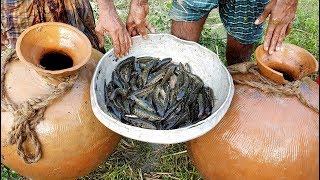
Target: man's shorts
{"points": [[237, 16]]}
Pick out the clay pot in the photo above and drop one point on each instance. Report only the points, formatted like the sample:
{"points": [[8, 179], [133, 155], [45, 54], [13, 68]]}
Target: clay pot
{"points": [[292, 59], [73, 141], [264, 135]]}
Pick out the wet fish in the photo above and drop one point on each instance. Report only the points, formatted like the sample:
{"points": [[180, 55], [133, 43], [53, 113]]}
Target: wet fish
{"points": [[154, 80], [145, 73], [157, 94], [145, 59], [125, 62], [133, 81], [145, 114], [140, 122], [201, 106], [143, 92], [187, 67], [176, 121], [116, 79], [183, 89], [118, 91], [167, 75], [162, 63], [173, 81], [141, 103]]}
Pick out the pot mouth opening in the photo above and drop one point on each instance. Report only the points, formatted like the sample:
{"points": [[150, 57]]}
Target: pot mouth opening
{"points": [[286, 75], [55, 60]]}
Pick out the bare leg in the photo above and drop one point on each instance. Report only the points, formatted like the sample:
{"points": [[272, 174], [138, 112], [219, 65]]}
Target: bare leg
{"points": [[237, 52], [190, 31]]}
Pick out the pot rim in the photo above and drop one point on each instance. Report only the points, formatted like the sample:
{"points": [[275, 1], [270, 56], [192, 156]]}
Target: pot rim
{"points": [[66, 71], [268, 71]]}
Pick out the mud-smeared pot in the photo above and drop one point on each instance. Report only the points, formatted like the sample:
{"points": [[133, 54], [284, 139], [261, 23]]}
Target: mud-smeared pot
{"points": [[270, 131], [73, 142]]}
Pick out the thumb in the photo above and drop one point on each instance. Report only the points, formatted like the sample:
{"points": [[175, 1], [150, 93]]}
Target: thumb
{"points": [[142, 30]]}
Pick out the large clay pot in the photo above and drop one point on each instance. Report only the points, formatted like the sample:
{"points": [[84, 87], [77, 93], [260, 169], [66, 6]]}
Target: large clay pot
{"points": [[73, 141], [265, 135]]}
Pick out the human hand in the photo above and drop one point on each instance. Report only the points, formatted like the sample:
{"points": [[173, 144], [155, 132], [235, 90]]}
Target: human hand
{"points": [[110, 23], [136, 20], [282, 13]]}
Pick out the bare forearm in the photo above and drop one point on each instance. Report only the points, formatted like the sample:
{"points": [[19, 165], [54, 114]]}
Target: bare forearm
{"points": [[110, 23], [139, 2], [106, 6]]}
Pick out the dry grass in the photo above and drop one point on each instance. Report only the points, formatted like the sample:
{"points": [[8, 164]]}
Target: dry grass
{"points": [[140, 160]]}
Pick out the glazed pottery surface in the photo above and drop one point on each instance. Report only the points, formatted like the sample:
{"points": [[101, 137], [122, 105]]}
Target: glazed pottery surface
{"points": [[264, 135], [73, 141]]}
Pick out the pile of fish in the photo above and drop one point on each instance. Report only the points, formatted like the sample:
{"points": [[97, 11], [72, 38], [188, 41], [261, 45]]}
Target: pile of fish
{"points": [[157, 94]]}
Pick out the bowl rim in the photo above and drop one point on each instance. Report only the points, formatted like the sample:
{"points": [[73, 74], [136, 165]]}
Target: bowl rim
{"points": [[104, 117]]}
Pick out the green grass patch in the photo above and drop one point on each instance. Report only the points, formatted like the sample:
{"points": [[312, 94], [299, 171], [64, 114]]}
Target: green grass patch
{"points": [[7, 173]]}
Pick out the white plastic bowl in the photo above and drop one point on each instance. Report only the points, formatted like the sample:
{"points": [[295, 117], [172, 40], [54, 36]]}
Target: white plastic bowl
{"points": [[203, 62]]}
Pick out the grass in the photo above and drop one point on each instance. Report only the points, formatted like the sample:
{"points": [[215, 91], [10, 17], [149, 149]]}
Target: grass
{"points": [[138, 160], [7, 173]]}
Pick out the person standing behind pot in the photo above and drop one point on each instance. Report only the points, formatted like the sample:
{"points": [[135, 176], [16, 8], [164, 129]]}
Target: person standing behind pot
{"points": [[242, 19], [17, 15]]}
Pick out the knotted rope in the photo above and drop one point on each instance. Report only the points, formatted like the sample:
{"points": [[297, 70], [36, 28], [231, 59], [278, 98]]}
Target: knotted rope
{"points": [[267, 85], [29, 113]]}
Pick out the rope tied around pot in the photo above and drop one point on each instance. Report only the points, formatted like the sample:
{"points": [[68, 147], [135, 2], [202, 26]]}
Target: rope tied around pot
{"points": [[267, 85], [29, 113]]}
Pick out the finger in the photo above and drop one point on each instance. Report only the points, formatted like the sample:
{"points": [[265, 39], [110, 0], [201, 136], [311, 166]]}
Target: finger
{"points": [[100, 35], [130, 41], [151, 29], [264, 14], [127, 42], [268, 36], [116, 44], [134, 33], [281, 37], [275, 38], [142, 31], [130, 29], [288, 29], [122, 43]]}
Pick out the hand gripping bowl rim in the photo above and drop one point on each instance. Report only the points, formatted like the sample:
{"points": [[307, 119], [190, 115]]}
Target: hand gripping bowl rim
{"points": [[160, 136]]}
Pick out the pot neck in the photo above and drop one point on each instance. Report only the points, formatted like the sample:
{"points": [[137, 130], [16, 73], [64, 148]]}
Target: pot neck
{"points": [[49, 72], [289, 64]]}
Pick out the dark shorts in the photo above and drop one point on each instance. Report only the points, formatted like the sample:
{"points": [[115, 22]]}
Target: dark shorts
{"points": [[237, 16]]}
